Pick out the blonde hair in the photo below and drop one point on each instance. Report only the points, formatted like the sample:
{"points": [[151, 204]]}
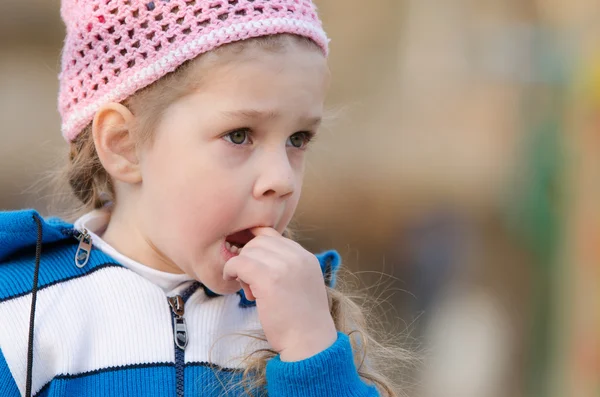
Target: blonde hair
{"points": [[93, 189]]}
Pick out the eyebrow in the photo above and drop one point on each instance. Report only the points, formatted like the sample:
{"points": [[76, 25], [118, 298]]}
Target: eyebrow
{"points": [[253, 114]]}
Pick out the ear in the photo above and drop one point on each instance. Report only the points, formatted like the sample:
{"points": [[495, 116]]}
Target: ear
{"points": [[115, 142]]}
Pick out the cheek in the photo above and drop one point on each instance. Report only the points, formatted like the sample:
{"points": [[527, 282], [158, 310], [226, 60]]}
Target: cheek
{"points": [[188, 175], [186, 190], [199, 201]]}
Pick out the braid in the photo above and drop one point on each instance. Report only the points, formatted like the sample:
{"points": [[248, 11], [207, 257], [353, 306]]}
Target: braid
{"points": [[87, 178]]}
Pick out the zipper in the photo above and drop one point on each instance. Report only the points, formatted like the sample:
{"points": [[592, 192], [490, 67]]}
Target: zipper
{"points": [[176, 303], [179, 325], [180, 335], [84, 249]]}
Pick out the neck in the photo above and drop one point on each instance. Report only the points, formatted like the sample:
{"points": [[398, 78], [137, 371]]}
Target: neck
{"points": [[123, 233]]}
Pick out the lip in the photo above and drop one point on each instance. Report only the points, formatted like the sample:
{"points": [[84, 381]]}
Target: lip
{"points": [[227, 255]]}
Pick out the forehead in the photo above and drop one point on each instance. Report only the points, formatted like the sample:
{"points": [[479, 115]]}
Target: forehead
{"points": [[298, 74]]}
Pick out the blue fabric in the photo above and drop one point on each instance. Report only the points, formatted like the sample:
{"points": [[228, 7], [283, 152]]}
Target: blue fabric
{"points": [[151, 381], [330, 262], [203, 380], [18, 232], [326, 374], [148, 381], [8, 387], [329, 373]]}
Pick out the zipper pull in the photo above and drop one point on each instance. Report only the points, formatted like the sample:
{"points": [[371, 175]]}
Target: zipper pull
{"points": [[179, 325], [84, 249]]}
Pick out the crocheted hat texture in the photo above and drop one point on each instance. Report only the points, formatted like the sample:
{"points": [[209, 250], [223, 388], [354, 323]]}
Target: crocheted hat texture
{"points": [[113, 48]]}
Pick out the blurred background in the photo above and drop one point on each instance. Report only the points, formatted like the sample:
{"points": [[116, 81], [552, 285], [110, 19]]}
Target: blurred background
{"points": [[460, 177]]}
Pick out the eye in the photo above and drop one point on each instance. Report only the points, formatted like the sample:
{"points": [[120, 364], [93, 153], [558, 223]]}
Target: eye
{"points": [[238, 137], [300, 139]]}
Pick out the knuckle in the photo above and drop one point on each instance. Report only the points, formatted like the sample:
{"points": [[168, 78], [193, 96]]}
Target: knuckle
{"points": [[276, 275]]}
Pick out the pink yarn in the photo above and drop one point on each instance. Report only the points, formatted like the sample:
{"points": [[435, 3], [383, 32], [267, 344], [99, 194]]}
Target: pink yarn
{"points": [[113, 48]]}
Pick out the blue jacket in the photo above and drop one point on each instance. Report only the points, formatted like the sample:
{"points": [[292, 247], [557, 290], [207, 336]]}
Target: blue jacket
{"points": [[103, 330]]}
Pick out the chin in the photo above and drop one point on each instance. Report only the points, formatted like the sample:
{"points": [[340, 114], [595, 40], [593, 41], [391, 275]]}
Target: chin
{"points": [[222, 287]]}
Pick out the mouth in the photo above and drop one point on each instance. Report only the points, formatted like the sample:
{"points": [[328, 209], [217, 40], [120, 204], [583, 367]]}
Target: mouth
{"points": [[238, 240]]}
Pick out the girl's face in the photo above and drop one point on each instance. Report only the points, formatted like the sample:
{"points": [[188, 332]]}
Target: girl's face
{"points": [[230, 157]]}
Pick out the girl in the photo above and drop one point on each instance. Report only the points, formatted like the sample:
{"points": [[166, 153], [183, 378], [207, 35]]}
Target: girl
{"points": [[188, 122]]}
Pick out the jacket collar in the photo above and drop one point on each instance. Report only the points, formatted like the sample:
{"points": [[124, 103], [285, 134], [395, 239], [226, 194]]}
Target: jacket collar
{"points": [[18, 230]]}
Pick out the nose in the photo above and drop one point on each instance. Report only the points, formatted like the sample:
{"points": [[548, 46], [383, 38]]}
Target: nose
{"points": [[276, 176]]}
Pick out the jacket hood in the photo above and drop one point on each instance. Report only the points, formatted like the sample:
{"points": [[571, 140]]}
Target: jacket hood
{"points": [[18, 230]]}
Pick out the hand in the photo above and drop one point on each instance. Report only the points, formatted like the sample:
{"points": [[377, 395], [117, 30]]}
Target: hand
{"points": [[287, 284]]}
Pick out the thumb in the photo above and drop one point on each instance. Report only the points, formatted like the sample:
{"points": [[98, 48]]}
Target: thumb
{"points": [[265, 231]]}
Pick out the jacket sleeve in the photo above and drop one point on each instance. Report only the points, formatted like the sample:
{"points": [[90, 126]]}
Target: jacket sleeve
{"points": [[8, 386], [330, 373]]}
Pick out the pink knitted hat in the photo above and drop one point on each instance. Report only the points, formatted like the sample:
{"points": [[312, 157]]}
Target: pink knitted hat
{"points": [[113, 48]]}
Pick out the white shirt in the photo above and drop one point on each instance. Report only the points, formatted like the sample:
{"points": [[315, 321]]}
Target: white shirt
{"points": [[95, 223]]}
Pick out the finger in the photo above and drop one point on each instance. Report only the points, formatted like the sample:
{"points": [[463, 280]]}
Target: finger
{"points": [[230, 270], [247, 291], [242, 268], [265, 231], [265, 251]]}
